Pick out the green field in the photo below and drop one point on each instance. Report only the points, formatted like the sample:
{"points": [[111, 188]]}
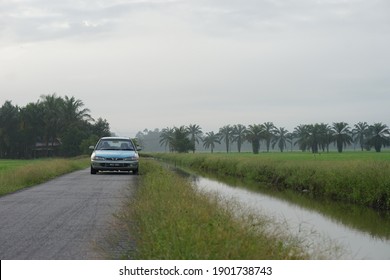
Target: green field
{"points": [[6, 164], [361, 178], [19, 174], [168, 219]]}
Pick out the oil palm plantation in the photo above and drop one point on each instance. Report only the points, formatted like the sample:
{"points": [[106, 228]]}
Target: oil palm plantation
{"points": [[253, 135], [280, 138], [360, 134], [195, 134], [309, 136], [290, 139], [238, 136], [210, 140], [226, 134], [325, 136], [379, 136], [166, 138], [302, 133], [181, 142], [268, 133], [341, 135]]}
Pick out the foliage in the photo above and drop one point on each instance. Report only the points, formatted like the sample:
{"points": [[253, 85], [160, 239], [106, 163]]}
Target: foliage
{"points": [[177, 139], [317, 138], [210, 140], [166, 138], [180, 141], [341, 135], [379, 136], [226, 134], [268, 133], [280, 138], [51, 126], [195, 133], [360, 134], [253, 135], [359, 178], [238, 136]]}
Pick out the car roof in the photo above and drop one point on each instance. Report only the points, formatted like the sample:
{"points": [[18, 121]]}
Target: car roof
{"points": [[115, 138]]}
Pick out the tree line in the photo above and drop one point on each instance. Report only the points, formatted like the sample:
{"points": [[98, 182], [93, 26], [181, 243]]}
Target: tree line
{"points": [[52, 126], [308, 137]]}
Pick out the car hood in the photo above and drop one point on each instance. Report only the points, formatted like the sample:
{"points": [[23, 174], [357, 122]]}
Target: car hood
{"points": [[115, 154]]}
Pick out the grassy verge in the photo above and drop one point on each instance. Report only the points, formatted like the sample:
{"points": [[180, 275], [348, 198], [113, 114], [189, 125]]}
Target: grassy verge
{"points": [[16, 175], [360, 178], [169, 219]]}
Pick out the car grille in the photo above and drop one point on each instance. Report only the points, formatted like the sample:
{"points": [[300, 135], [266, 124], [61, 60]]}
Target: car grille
{"points": [[114, 159]]}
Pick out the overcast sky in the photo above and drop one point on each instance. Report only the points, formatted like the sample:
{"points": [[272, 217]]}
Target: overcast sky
{"points": [[162, 63]]}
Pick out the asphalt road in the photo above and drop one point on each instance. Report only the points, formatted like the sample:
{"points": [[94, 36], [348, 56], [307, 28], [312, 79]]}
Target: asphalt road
{"points": [[62, 219]]}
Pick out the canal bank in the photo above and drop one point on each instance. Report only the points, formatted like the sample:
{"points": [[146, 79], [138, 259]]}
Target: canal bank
{"points": [[327, 229]]}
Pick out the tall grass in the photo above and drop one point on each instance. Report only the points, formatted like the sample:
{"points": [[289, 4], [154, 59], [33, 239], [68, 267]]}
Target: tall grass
{"points": [[359, 179], [15, 175], [169, 219]]}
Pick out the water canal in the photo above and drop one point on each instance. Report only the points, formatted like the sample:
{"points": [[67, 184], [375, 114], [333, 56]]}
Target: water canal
{"points": [[327, 229]]}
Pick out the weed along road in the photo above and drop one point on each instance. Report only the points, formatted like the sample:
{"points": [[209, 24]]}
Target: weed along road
{"points": [[64, 218]]}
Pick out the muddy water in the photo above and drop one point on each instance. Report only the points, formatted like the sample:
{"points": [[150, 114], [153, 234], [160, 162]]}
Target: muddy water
{"points": [[328, 230]]}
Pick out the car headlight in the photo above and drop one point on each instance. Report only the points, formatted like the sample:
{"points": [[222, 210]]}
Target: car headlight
{"points": [[98, 158], [131, 158]]}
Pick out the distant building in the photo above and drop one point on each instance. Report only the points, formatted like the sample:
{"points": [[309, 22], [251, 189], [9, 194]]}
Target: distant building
{"points": [[41, 149]]}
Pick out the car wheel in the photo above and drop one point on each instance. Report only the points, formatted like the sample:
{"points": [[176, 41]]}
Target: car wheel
{"points": [[93, 171], [135, 171]]}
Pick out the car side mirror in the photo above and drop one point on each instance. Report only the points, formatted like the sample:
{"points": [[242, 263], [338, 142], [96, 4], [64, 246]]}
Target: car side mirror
{"points": [[139, 149], [91, 147]]}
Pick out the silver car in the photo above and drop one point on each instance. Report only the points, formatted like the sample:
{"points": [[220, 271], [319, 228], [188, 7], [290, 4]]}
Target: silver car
{"points": [[114, 154]]}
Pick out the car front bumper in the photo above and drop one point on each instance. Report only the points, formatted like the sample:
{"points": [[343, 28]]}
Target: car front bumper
{"points": [[114, 165]]}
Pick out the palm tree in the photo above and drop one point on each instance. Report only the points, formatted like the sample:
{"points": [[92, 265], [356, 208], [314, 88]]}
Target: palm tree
{"points": [[73, 121], [239, 135], [181, 142], [166, 138], [74, 112], [280, 138], [53, 118], [325, 136], [268, 133], [101, 128], [302, 133], [226, 134], [342, 135], [32, 126], [379, 136], [210, 139], [9, 129], [253, 135], [290, 139], [309, 136], [195, 134], [360, 133]]}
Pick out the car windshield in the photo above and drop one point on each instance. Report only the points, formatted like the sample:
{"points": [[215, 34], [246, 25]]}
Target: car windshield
{"points": [[109, 144]]}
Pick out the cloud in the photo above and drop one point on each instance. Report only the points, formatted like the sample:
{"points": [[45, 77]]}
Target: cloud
{"points": [[39, 20], [168, 61]]}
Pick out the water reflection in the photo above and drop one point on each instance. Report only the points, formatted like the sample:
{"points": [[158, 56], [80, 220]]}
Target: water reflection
{"points": [[360, 232]]}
